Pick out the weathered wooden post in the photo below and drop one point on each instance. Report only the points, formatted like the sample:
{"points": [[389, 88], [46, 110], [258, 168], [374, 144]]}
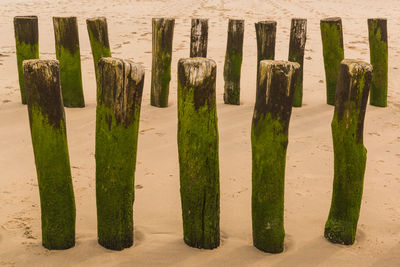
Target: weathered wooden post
{"points": [[27, 45], [333, 52], [163, 33], [69, 55], [199, 38], [198, 152], [117, 122], [266, 36], [269, 140], [298, 37], [50, 147], [233, 62], [378, 46], [349, 152]]}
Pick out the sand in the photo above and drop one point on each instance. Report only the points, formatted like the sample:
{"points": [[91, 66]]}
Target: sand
{"points": [[158, 223]]}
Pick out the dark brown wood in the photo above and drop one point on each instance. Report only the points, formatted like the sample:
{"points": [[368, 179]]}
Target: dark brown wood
{"points": [[266, 36], [199, 38]]}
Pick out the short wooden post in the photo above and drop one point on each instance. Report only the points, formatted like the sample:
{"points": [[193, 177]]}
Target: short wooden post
{"points": [[266, 36], [163, 33], [50, 147], [298, 37], [349, 152], [117, 122], [269, 140], [233, 62], [198, 152], [69, 55], [199, 38], [27, 45], [333, 52], [378, 46]]}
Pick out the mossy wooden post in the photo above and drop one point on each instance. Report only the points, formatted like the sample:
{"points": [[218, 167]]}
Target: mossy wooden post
{"points": [[117, 122], [298, 37], [333, 52], [233, 62], [199, 38], [266, 36], [69, 55], [163, 33], [198, 152], [27, 45], [378, 46], [269, 140], [349, 152], [50, 147]]}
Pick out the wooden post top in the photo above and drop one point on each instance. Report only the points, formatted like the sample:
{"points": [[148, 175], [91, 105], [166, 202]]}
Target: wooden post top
{"points": [[332, 19]]}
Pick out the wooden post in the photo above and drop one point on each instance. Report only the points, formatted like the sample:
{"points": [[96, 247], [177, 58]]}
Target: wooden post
{"points": [[349, 151], [269, 140], [198, 152], [163, 33], [117, 122], [333, 51], [266, 35], [199, 38], [378, 46], [69, 55], [50, 147], [233, 62], [27, 45], [298, 37]]}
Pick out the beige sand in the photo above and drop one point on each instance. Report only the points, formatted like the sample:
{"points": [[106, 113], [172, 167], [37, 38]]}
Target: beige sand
{"points": [[158, 223]]}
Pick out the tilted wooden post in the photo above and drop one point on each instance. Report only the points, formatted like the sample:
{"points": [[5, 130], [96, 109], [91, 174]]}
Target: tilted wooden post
{"points": [[198, 152], [378, 46], [69, 55], [269, 140], [266, 36], [117, 122], [233, 62], [298, 37], [27, 45], [50, 147], [349, 152], [199, 38], [163, 33], [333, 52]]}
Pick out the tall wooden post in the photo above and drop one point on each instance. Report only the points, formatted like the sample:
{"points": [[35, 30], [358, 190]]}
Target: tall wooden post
{"points": [[27, 45], [163, 33], [266, 36], [269, 140], [198, 152], [117, 122], [199, 38], [69, 55], [50, 147], [349, 152]]}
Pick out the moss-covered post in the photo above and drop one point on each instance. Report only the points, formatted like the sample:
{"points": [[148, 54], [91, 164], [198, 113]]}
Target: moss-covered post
{"points": [[349, 152], [198, 152], [50, 147], [378, 46], [27, 45], [269, 140], [333, 52], [298, 37], [117, 122], [163, 33], [233, 62], [266, 36], [199, 38], [69, 55]]}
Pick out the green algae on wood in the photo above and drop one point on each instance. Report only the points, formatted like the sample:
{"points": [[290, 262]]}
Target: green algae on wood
{"points": [[269, 140], [298, 37], [163, 33], [68, 54], [333, 52], [266, 36], [349, 151], [378, 46], [233, 62], [117, 123], [199, 38], [27, 45], [50, 147], [198, 152]]}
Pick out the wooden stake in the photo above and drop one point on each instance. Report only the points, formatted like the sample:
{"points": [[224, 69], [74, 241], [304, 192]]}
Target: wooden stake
{"points": [[199, 38], [266, 35]]}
